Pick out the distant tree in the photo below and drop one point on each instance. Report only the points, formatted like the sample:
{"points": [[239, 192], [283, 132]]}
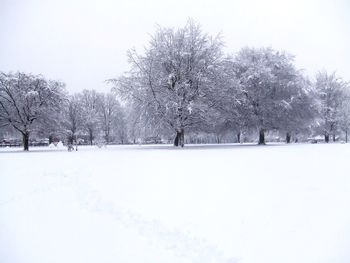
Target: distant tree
{"points": [[73, 118], [111, 117], [133, 124], [170, 81], [344, 113], [26, 99], [89, 102], [300, 111], [51, 124], [229, 101], [120, 126], [331, 93], [269, 82]]}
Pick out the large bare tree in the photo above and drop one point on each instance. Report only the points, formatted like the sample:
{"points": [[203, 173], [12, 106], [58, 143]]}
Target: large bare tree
{"points": [[170, 81], [27, 98]]}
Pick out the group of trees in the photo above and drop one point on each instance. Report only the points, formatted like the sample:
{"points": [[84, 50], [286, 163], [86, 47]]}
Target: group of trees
{"points": [[35, 106], [99, 116], [183, 82]]}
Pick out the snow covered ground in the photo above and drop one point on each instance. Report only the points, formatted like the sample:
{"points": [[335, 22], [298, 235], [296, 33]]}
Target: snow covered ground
{"points": [[227, 203]]}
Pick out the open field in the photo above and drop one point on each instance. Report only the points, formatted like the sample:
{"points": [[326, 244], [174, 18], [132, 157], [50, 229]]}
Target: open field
{"points": [[214, 203]]}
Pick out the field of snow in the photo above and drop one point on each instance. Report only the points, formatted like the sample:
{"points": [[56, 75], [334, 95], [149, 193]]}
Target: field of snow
{"points": [[227, 204]]}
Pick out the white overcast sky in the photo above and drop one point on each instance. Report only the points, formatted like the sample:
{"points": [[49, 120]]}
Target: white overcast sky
{"points": [[84, 42]]}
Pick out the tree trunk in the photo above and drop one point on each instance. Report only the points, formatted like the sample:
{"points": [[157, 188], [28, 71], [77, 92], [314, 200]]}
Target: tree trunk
{"points": [[25, 141], [333, 137], [76, 142], [180, 138], [288, 137], [239, 137], [326, 138], [346, 136], [107, 136], [91, 137], [176, 141], [261, 137], [70, 139], [50, 139]]}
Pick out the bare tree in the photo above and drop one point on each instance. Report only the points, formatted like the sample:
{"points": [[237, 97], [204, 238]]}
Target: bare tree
{"points": [[25, 99], [300, 110], [73, 118], [111, 116], [89, 101], [170, 81], [331, 93], [229, 101], [344, 113], [270, 83]]}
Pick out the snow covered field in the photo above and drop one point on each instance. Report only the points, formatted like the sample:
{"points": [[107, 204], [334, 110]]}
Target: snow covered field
{"points": [[227, 203]]}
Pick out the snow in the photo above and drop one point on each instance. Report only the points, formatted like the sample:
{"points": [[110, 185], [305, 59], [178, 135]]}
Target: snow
{"points": [[56, 145], [214, 203], [32, 93]]}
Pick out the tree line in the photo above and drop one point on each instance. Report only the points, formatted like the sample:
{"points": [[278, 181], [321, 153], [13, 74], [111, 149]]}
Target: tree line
{"points": [[32, 105], [183, 83]]}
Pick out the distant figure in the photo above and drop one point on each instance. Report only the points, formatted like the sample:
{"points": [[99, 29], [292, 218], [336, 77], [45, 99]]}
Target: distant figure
{"points": [[71, 142], [70, 147]]}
